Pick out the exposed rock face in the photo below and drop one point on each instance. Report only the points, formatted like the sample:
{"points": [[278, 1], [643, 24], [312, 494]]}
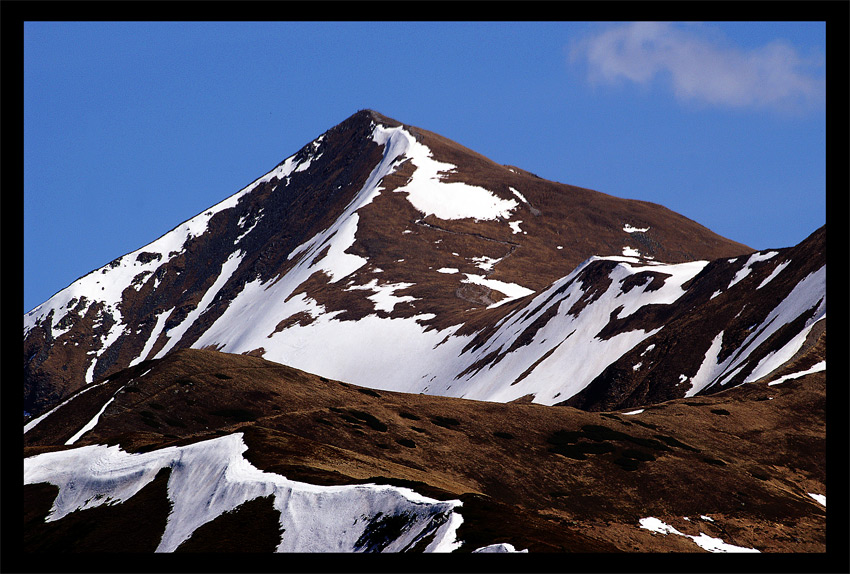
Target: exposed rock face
{"points": [[389, 256]]}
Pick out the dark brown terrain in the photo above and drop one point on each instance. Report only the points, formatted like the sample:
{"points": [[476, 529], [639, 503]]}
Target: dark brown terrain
{"points": [[549, 479]]}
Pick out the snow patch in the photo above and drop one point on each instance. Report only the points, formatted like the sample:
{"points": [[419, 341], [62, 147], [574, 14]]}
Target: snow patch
{"points": [[430, 195], [383, 297], [629, 229], [704, 541], [511, 290], [485, 263], [820, 498]]}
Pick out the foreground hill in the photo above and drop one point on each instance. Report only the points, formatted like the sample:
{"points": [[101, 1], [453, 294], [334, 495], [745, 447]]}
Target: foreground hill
{"points": [[236, 453]]}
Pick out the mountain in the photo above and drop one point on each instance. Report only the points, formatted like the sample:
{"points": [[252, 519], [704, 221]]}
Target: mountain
{"points": [[390, 343], [203, 451], [380, 254]]}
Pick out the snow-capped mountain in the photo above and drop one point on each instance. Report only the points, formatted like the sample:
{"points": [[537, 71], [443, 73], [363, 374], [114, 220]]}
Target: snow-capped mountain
{"points": [[291, 370], [383, 255]]}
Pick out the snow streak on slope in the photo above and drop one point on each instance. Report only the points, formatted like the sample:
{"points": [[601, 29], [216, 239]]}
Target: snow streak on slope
{"points": [[29, 426], [212, 477], [747, 268], [177, 332], [704, 541], [816, 368], [93, 422], [808, 298]]}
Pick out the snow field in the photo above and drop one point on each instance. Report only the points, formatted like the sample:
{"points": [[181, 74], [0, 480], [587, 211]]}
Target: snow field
{"points": [[212, 477], [400, 354], [379, 353]]}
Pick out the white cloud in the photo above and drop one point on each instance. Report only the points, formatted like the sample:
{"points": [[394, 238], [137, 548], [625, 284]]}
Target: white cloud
{"points": [[703, 69]]}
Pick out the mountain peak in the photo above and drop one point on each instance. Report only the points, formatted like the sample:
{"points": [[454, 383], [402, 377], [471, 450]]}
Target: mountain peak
{"points": [[366, 117]]}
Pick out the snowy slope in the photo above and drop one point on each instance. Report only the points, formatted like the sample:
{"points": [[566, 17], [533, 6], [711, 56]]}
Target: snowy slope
{"points": [[99, 295], [560, 357]]}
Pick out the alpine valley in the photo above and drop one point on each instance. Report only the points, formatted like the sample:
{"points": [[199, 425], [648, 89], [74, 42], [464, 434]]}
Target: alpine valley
{"points": [[391, 343]]}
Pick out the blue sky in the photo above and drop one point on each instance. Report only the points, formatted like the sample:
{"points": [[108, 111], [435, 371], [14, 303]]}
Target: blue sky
{"points": [[131, 128]]}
